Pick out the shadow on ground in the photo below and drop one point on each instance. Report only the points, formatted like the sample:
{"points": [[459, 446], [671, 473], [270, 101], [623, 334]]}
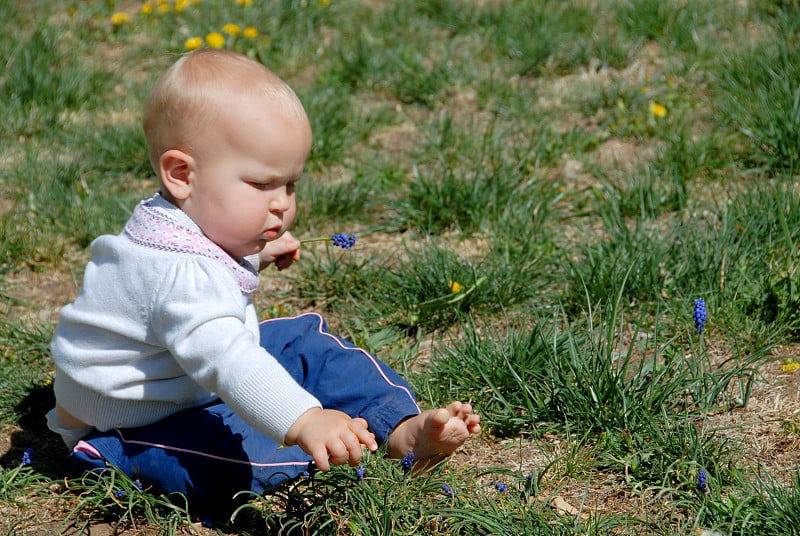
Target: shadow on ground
{"points": [[49, 455]]}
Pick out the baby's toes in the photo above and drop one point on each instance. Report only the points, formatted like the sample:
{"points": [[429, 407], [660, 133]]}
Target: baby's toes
{"points": [[454, 408], [464, 412]]}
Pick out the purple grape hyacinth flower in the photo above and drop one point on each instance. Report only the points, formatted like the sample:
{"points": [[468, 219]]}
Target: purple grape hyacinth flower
{"points": [[27, 457], [501, 487], [344, 240], [407, 461], [700, 315], [137, 484], [341, 240], [702, 481], [360, 473]]}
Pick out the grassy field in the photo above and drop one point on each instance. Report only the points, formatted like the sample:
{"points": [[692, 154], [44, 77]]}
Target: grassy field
{"points": [[541, 191]]}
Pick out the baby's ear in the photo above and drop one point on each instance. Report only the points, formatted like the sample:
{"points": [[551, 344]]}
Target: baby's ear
{"points": [[176, 169]]}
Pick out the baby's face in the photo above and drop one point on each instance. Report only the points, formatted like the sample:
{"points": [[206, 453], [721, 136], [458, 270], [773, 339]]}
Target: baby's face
{"points": [[245, 175]]}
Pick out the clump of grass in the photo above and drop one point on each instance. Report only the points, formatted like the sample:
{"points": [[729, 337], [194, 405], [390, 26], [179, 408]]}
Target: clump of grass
{"points": [[23, 363], [111, 495], [632, 262], [64, 199], [663, 184], [116, 149], [329, 276], [675, 26], [337, 122], [758, 95], [586, 379], [756, 231], [467, 182], [381, 497], [19, 483], [433, 287], [644, 257], [39, 74], [551, 50], [764, 506], [339, 202], [377, 497]]}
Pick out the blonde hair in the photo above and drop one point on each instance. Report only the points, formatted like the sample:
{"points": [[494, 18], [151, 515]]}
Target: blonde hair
{"points": [[192, 93]]}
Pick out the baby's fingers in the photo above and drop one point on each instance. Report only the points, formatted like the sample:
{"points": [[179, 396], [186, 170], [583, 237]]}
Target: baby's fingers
{"points": [[359, 427], [321, 459]]}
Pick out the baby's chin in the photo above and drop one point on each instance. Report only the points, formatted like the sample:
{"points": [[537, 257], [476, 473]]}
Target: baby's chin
{"points": [[246, 251]]}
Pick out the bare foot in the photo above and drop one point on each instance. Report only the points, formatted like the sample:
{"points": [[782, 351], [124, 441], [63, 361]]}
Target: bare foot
{"points": [[434, 434]]}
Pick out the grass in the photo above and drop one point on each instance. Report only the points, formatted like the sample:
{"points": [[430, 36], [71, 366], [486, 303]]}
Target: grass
{"points": [[540, 192]]}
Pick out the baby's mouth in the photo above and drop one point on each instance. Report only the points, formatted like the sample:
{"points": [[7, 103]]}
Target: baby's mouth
{"points": [[272, 234]]}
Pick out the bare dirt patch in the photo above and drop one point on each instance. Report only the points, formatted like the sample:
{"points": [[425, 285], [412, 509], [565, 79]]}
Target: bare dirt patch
{"points": [[397, 139], [39, 294], [768, 428]]}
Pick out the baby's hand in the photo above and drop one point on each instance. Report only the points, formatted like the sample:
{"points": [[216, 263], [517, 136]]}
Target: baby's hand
{"points": [[282, 251], [331, 437]]}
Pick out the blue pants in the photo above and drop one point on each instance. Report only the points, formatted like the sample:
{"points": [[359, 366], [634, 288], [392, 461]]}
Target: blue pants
{"points": [[209, 453]]}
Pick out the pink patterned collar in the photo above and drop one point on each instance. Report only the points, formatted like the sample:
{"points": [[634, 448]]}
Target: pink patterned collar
{"points": [[158, 224]]}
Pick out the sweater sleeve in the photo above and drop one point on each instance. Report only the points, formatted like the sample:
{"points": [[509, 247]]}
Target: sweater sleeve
{"points": [[199, 315]]}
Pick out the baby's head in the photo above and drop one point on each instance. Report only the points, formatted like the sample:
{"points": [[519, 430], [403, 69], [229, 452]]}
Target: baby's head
{"points": [[188, 102], [228, 140]]}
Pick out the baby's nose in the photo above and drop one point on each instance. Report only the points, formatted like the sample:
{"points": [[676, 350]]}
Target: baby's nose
{"points": [[279, 203]]}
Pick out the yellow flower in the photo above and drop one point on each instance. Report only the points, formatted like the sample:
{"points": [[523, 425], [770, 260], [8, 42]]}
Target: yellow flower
{"points": [[180, 5], [232, 29], [193, 43], [215, 40], [455, 286], [658, 110], [790, 366], [119, 18], [244, 2], [250, 32], [147, 8], [324, 3], [163, 8], [162, 2]]}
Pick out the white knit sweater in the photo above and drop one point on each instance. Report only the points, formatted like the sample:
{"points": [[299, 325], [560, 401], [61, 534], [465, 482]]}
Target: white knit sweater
{"points": [[165, 322]]}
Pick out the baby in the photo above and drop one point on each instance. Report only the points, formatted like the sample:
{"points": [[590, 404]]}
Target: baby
{"points": [[162, 369]]}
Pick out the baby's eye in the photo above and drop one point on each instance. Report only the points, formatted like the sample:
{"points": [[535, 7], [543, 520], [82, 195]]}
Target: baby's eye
{"points": [[258, 185]]}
